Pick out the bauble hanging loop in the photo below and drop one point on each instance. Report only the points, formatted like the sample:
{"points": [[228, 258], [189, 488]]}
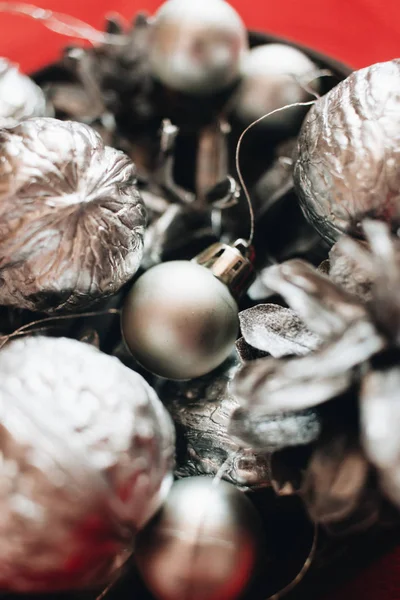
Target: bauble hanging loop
{"points": [[231, 264]]}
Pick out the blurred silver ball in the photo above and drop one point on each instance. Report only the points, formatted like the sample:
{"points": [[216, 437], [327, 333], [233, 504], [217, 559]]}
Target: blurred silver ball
{"points": [[197, 46], [203, 545], [272, 76], [348, 152], [20, 97], [86, 452], [179, 321]]}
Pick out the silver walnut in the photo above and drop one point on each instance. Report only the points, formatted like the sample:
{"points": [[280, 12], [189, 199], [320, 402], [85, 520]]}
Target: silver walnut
{"points": [[71, 218], [20, 97], [347, 165], [86, 453], [197, 46]]}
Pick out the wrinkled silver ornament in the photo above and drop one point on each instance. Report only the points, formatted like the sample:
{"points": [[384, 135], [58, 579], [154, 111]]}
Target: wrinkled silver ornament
{"points": [[203, 545], [86, 457], [180, 319], [347, 166], [197, 47], [72, 220], [20, 97], [273, 76]]}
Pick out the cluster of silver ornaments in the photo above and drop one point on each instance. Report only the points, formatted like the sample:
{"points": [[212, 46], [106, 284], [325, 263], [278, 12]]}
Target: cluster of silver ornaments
{"points": [[203, 545], [347, 166], [87, 447], [20, 97], [87, 453]]}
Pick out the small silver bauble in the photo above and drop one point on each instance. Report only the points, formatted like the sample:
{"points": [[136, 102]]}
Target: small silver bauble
{"points": [[180, 320], [274, 75], [20, 97], [203, 545], [197, 46], [86, 453], [347, 166]]}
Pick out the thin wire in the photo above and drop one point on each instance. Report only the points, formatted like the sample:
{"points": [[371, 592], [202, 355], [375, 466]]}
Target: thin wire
{"points": [[108, 589], [62, 23], [26, 329], [303, 571], [237, 159]]}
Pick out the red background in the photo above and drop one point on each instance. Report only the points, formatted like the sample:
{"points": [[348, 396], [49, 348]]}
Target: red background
{"points": [[358, 32]]}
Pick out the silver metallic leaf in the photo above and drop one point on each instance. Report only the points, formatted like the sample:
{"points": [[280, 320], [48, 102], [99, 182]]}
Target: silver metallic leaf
{"points": [[86, 456], [276, 330], [385, 258], [271, 433], [380, 425], [71, 218], [271, 386], [348, 271], [323, 306]]}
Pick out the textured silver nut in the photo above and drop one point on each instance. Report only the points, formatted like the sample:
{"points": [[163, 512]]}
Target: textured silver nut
{"points": [[71, 217], [86, 456], [347, 166]]}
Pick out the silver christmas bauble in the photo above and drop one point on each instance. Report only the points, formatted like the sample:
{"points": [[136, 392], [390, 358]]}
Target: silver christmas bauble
{"points": [[86, 453], [347, 166], [272, 77], [197, 46], [203, 545], [179, 321], [20, 97]]}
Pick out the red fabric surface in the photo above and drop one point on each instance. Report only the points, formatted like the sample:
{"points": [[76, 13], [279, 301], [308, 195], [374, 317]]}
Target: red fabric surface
{"points": [[358, 32]]}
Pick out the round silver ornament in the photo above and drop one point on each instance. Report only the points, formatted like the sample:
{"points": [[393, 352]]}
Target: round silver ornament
{"points": [[86, 457], [197, 46], [72, 219], [347, 166], [273, 76], [20, 97], [203, 544], [180, 319]]}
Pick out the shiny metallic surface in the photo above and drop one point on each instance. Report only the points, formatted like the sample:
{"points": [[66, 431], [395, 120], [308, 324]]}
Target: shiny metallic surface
{"points": [[229, 265], [86, 454], [197, 46], [20, 97], [72, 219], [202, 545], [202, 409], [274, 75], [179, 321], [347, 166]]}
